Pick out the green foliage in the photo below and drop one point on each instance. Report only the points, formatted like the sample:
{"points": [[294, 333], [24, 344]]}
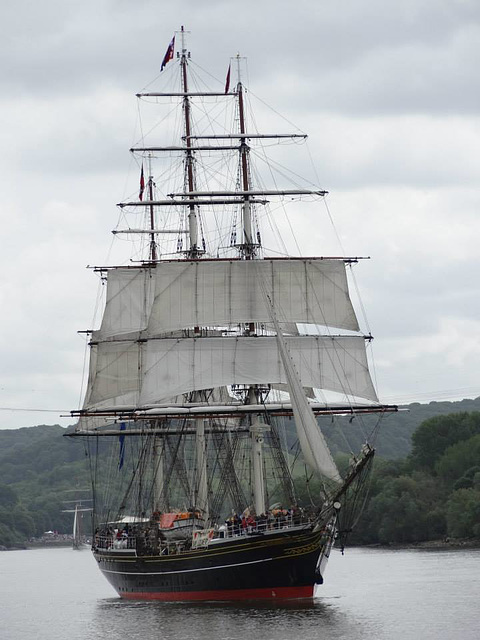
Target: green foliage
{"points": [[460, 460], [476, 481], [429, 494], [394, 440], [435, 436], [463, 513], [403, 509], [433, 493], [15, 524], [38, 469], [8, 497], [7, 535], [308, 492]]}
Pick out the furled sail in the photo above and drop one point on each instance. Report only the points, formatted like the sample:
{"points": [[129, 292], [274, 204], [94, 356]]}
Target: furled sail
{"points": [[158, 369]]}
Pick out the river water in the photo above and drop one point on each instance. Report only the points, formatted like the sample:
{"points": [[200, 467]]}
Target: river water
{"points": [[368, 595]]}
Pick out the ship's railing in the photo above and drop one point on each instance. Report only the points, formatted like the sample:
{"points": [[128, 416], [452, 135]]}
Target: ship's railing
{"points": [[112, 542], [232, 528], [141, 545], [154, 548]]}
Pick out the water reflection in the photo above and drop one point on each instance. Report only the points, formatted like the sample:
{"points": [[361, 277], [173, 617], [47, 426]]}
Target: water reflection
{"points": [[280, 620], [369, 595]]}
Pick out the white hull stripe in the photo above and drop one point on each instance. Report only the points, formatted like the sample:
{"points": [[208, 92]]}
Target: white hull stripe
{"points": [[166, 573]]}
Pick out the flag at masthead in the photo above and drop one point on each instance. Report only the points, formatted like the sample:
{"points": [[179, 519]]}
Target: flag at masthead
{"points": [[227, 81], [142, 185], [169, 53]]}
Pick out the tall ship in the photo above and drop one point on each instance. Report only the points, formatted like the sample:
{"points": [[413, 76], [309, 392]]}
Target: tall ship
{"points": [[214, 364]]}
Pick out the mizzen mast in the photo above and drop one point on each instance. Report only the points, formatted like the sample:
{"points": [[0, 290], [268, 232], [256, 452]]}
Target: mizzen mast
{"points": [[153, 243]]}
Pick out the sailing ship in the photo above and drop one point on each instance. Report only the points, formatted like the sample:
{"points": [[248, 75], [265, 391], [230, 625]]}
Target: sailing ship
{"points": [[209, 350], [78, 535]]}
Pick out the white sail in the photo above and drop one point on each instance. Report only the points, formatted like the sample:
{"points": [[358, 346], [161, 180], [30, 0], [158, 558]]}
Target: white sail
{"points": [[176, 295], [76, 531], [312, 443], [218, 293], [129, 300], [173, 367], [117, 372], [157, 370], [142, 303], [215, 293]]}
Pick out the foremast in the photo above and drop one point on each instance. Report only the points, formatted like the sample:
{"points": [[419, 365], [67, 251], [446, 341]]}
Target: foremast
{"points": [[247, 248], [248, 251], [153, 244]]}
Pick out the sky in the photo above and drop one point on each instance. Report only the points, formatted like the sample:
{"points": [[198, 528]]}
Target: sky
{"points": [[389, 95]]}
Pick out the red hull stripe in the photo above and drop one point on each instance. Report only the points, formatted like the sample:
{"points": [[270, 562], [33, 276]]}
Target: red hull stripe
{"points": [[224, 594]]}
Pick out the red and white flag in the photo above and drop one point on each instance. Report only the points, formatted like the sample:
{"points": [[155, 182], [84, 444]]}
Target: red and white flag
{"points": [[142, 185], [169, 54], [227, 81]]}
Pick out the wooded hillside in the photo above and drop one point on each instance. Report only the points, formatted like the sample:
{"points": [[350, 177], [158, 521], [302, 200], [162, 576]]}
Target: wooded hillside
{"points": [[416, 494]]}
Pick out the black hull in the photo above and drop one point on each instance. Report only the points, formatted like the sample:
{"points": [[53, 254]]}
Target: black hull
{"points": [[274, 565]]}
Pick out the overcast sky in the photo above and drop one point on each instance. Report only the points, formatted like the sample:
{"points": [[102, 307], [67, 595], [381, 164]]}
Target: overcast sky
{"points": [[389, 95]]}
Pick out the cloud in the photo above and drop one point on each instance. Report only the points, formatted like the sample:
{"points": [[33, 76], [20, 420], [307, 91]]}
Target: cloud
{"points": [[389, 96], [441, 361]]}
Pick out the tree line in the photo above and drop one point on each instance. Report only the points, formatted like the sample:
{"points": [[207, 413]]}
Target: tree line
{"points": [[38, 470], [432, 492]]}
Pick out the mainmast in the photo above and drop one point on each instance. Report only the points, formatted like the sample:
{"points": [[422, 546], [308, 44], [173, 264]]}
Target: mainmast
{"points": [[247, 247], [193, 251], [201, 489], [248, 251]]}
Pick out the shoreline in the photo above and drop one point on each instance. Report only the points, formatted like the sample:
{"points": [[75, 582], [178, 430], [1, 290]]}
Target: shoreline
{"points": [[428, 545], [25, 546]]}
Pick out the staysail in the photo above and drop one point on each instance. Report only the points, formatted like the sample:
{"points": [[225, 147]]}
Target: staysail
{"points": [[312, 443]]}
